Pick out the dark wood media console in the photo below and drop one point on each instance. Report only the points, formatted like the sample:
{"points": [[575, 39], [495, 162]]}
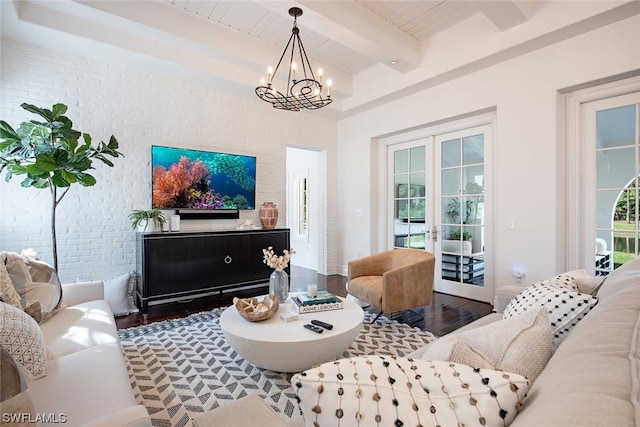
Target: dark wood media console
{"points": [[185, 264]]}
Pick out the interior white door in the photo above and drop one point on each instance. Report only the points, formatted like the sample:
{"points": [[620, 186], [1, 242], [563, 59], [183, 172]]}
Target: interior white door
{"points": [[462, 210]]}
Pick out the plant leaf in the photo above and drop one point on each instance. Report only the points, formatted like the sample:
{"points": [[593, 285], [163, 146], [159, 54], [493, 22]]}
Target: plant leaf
{"points": [[86, 180], [58, 180], [58, 110], [42, 112], [46, 162], [7, 132]]}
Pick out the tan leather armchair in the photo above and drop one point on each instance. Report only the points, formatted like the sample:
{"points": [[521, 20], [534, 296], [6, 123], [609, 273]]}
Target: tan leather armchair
{"points": [[395, 280]]}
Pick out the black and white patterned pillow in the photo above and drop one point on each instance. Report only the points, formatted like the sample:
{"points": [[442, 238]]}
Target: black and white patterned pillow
{"points": [[392, 391], [566, 307]]}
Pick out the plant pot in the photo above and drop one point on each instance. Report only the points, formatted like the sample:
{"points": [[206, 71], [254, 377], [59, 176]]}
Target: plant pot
{"points": [[464, 247]]}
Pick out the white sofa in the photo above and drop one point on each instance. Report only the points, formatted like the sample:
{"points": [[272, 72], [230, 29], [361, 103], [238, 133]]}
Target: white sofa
{"points": [[87, 380], [592, 378]]}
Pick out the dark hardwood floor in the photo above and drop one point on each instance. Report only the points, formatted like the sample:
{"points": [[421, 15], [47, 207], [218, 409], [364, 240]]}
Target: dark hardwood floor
{"points": [[445, 314]]}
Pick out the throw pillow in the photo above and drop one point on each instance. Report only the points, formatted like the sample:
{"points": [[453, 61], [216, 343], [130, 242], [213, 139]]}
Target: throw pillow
{"points": [[36, 282], [589, 285], [22, 338], [119, 292], [14, 393], [566, 308], [386, 390], [8, 293], [584, 283], [520, 344]]}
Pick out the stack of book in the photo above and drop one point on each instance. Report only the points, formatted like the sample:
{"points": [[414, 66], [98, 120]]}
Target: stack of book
{"points": [[323, 301]]}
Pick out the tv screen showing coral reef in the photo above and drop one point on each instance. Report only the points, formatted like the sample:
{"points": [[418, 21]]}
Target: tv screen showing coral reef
{"points": [[193, 179]]}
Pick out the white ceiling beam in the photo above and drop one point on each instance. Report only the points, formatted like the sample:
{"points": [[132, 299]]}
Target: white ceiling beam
{"points": [[154, 28], [504, 14], [357, 28]]}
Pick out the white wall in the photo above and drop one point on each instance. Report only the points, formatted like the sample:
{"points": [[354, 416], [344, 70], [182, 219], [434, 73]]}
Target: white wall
{"points": [[528, 173], [95, 240]]}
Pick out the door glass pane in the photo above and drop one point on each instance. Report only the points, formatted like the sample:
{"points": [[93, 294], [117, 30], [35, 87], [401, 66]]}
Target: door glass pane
{"points": [[401, 186], [473, 149], [401, 161], [418, 159], [615, 167], [616, 127], [616, 187], [450, 182], [451, 153]]}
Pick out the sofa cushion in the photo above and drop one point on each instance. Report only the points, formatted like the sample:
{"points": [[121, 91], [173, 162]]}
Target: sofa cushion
{"points": [[566, 308], [119, 292], [520, 344], [622, 277], [386, 390], [78, 327], [84, 385], [592, 379], [22, 338]]}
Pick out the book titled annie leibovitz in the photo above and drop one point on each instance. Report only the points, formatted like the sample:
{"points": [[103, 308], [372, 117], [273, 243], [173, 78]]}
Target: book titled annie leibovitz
{"points": [[314, 308]]}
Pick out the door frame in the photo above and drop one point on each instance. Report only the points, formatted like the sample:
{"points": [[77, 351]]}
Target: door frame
{"points": [[380, 158]]}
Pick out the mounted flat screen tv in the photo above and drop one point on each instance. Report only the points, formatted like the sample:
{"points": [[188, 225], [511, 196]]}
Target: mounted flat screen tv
{"points": [[201, 180]]}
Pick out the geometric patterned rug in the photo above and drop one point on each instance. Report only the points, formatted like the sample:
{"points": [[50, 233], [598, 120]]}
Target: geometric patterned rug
{"points": [[184, 367]]}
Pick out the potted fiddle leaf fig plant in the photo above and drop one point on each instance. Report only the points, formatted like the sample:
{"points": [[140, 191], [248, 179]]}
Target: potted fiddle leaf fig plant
{"points": [[141, 219], [52, 155]]}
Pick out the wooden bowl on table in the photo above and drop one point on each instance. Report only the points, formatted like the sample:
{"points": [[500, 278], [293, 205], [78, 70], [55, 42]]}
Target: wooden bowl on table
{"points": [[255, 311]]}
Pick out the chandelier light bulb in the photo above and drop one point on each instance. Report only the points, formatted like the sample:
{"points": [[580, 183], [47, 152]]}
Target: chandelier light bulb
{"points": [[320, 74], [262, 82], [270, 71], [329, 82], [294, 67]]}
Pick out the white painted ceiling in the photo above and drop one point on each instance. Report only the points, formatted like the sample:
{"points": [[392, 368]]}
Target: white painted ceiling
{"points": [[373, 50]]}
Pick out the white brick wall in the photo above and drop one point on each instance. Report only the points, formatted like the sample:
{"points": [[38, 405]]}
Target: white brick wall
{"points": [[95, 240]]}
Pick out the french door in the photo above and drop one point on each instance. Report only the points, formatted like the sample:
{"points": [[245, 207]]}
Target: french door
{"points": [[611, 129], [439, 203]]}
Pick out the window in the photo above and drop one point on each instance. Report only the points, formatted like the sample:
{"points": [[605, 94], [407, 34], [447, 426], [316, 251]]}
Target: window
{"points": [[302, 206]]}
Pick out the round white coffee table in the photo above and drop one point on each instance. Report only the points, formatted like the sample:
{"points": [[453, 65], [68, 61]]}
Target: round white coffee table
{"points": [[287, 346]]}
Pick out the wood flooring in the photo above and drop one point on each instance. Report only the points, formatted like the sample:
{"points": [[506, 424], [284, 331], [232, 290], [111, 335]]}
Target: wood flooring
{"points": [[445, 314]]}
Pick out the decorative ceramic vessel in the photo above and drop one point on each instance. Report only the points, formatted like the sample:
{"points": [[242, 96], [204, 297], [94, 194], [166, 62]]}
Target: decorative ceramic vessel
{"points": [[279, 284], [255, 311], [268, 215]]}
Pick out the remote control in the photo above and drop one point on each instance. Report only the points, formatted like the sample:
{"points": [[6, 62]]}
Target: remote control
{"points": [[314, 328], [327, 326]]}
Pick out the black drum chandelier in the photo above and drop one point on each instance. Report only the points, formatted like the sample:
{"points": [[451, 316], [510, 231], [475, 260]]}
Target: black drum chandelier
{"points": [[303, 93]]}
